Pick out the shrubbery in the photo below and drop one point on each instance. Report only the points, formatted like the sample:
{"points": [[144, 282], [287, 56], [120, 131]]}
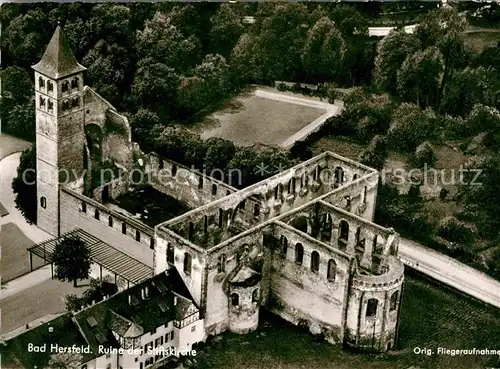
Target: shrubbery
{"points": [[424, 155], [455, 230]]}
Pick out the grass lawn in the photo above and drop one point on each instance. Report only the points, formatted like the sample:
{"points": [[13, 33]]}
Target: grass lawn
{"points": [[251, 119], [11, 144], [14, 247], [154, 206], [482, 39], [431, 317]]}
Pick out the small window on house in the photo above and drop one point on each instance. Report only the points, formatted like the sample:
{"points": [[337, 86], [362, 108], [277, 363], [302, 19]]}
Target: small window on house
{"points": [[110, 221], [371, 308], [315, 262], [43, 202], [214, 189], [96, 214], [187, 263], [74, 83], [394, 301], [50, 86], [235, 299], [84, 207], [174, 170], [124, 228], [200, 182], [41, 82], [151, 243], [138, 236], [65, 86], [193, 328], [299, 253]]}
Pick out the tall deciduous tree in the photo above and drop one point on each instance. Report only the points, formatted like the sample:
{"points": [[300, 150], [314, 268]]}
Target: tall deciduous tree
{"points": [[324, 50], [227, 27], [24, 185], [392, 51], [71, 259], [162, 41], [419, 76]]}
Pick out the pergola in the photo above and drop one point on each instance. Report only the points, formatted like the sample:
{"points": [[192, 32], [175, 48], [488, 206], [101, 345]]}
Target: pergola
{"points": [[101, 253]]}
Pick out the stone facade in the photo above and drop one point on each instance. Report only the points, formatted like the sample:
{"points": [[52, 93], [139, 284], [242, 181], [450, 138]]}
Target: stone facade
{"points": [[301, 243]]}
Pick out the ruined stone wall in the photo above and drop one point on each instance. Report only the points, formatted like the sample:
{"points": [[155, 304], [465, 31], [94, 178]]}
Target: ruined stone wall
{"points": [[123, 238], [375, 330], [195, 275], [116, 188], [306, 297]]}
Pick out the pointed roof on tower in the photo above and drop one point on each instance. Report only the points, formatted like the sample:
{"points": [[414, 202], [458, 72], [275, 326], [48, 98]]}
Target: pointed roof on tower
{"points": [[58, 60]]}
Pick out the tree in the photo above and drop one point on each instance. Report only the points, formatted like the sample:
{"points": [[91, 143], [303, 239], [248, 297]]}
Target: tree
{"points": [[375, 154], [419, 76], [444, 29], [96, 292], [392, 51], [71, 259], [163, 42], [410, 126], [142, 123], [424, 154], [243, 60], [65, 360], [227, 27], [219, 153], [24, 185], [468, 87], [324, 50], [155, 88], [348, 20], [181, 145]]}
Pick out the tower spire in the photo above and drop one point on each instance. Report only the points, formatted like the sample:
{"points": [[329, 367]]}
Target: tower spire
{"points": [[58, 60]]}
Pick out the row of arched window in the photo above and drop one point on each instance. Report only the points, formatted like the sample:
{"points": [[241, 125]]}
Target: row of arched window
{"points": [[315, 259], [64, 86], [49, 105], [235, 298], [372, 304], [97, 216]]}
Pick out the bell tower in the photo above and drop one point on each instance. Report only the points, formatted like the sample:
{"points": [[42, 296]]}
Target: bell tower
{"points": [[59, 128]]}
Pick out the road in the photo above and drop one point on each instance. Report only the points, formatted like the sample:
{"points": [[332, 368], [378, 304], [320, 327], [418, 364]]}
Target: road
{"points": [[450, 271]]}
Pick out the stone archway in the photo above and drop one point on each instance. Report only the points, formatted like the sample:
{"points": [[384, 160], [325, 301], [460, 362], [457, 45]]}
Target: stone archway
{"points": [[302, 223], [94, 140]]}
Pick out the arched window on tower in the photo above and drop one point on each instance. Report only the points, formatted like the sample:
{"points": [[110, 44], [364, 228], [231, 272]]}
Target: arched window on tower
{"points": [[50, 106], [75, 103], [235, 299], [41, 103], [371, 308], [394, 301], [50, 86], [74, 83], [41, 82], [284, 245], [65, 86], [43, 202], [255, 295]]}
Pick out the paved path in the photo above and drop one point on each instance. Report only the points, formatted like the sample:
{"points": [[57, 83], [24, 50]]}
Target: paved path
{"points": [[450, 271], [24, 282]]}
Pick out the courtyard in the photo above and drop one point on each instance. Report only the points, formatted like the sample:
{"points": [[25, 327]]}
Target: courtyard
{"points": [[261, 115], [149, 205]]}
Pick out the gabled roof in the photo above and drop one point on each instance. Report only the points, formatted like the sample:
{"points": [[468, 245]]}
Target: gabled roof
{"points": [[58, 60]]}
